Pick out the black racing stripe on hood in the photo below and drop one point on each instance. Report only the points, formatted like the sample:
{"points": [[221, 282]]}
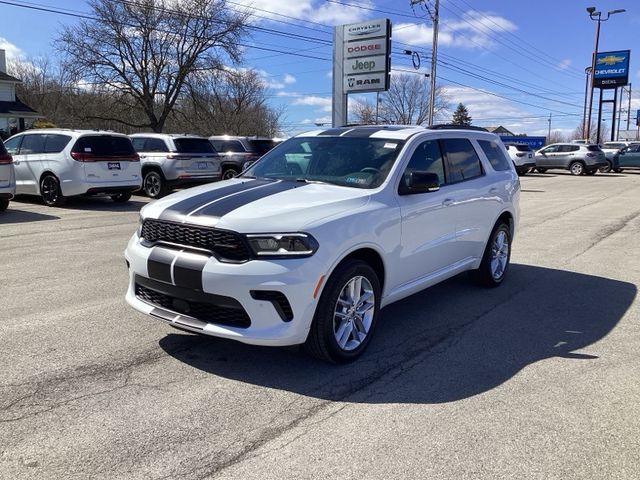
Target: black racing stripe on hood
{"points": [[178, 211], [228, 205]]}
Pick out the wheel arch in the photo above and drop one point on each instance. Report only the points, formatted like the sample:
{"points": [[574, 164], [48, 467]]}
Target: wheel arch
{"points": [[46, 173], [368, 254]]}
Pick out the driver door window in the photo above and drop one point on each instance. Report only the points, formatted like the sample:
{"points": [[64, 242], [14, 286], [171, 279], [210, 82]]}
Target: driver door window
{"points": [[426, 158]]}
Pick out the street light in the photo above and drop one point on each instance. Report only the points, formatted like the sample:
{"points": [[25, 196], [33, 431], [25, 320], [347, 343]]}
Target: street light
{"points": [[587, 72], [596, 17]]}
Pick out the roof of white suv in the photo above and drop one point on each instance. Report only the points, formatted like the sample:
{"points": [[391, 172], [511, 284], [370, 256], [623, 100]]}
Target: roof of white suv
{"points": [[165, 135], [395, 132]]}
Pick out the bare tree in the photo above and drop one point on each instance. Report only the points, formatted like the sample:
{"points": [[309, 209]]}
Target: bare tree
{"points": [[405, 103], [147, 50]]}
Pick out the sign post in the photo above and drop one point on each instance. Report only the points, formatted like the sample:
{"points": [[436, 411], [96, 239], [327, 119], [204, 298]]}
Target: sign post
{"points": [[361, 62], [611, 72]]}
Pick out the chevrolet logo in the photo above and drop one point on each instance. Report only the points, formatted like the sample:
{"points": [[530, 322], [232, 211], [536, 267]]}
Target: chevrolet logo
{"points": [[610, 60]]}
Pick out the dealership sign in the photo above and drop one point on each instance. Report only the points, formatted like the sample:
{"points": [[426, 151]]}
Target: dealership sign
{"points": [[612, 69], [365, 56]]}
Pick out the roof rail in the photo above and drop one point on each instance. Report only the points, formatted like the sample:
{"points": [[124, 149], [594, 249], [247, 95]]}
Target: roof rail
{"points": [[449, 126]]}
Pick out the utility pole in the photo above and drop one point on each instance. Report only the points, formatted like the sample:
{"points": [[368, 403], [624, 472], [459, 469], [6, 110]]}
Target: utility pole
{"points": [[629, 108], [434, 57], [549, 134]]}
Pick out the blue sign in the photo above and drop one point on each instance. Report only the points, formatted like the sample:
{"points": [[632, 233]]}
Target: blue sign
{"points": [[612, 69], [535, 143], [638, 118]]}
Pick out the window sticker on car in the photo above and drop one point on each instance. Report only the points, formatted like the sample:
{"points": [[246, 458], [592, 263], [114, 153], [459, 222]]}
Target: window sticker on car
{"points": [[390, 145], [87, 149]]}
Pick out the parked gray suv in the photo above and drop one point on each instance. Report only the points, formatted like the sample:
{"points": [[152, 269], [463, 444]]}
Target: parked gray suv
{"points": [[578, 159], [235, 152]]}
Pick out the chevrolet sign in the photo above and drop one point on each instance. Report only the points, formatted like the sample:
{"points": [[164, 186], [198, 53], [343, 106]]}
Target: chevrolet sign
{"points": [[612, 69]]}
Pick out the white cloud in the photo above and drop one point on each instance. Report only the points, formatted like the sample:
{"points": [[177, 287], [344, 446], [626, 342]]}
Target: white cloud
{"points": [[471, 31], [289, 79], [564, 64], [13, 51], [323, 103], [311, 10]]}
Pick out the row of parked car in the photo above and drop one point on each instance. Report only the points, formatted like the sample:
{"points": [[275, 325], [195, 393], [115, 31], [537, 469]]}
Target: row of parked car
{"points": [[578, 158], [60, 163]]}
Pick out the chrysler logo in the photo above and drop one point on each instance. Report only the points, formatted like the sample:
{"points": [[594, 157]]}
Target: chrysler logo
{"points": [[365, 29]]}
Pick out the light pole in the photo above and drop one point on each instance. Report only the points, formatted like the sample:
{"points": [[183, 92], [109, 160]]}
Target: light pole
{"points": [[587, 72], [596, 17]]}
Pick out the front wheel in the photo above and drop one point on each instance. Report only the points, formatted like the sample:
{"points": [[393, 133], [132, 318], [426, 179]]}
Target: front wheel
{"points": [[154, 184], [121, 197], [51, 192], [346, 315], [495, 261], [229, 172], [608, 168], [576, 168], [4, 204]]}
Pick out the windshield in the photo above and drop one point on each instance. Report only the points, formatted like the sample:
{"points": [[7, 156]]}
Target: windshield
{"points": [[348, 161]]}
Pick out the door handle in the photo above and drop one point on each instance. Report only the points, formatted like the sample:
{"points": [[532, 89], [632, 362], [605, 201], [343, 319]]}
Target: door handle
{"points": [[447, 201]]}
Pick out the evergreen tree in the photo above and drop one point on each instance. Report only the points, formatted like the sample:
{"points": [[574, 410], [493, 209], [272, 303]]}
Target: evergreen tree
{"points": [[461, 116]]}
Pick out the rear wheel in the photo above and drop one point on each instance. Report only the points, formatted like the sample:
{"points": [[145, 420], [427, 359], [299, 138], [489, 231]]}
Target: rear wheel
{"points": [[51, 192], [541, 170], [121, 197], [154, 184], [229, 172], [4, 204], [495, 261], [576, 168], [608, 168], [346, 315], [591, 172]]}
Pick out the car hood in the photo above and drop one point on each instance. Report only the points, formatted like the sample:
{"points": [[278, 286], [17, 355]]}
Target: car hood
{"points": [[257, 205]]}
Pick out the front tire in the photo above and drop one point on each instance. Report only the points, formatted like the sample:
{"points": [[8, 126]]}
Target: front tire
{"points": [[4, 204], [51, 192], [346, 314], [121, 197], [154, 184], [608, 168], [495, 260], [576, 168]]}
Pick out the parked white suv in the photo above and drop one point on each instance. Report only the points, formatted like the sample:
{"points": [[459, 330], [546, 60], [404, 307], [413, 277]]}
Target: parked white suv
{"points": [[521, 156], [7, 178], [58, 163], [172, 160], [323, 231]]}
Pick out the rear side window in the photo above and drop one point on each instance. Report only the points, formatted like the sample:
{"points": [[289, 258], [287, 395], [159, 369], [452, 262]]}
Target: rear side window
{"points": [[104, 145], [56, 143], [193, 145], [138, 144], [593, 148], [228, 146], [462, 160], [155, 145], [495, 155], [32, 144], [261, 146], [523, 148]]}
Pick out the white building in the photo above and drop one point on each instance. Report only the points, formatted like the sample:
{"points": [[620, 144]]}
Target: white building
{"points": [[15, 116]]}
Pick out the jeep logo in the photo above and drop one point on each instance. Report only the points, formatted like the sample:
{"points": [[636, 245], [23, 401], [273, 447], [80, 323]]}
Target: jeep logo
{"points": [[367, 66]]}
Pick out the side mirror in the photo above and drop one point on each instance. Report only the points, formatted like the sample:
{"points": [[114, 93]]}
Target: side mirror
{"points": [[421, 182]]}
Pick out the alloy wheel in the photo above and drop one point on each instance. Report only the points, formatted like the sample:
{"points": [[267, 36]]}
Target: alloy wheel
{"points": [[499, 255], [353, 313]]}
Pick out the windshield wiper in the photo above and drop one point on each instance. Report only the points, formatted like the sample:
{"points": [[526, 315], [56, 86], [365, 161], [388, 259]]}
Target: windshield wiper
{"points": [[306, 180]]}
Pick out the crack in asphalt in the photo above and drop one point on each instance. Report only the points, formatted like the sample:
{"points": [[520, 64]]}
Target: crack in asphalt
{"points": [[608, 232]]}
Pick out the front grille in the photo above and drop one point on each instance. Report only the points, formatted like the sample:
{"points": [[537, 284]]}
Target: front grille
{"points": [[224, 244], [206, 312]]}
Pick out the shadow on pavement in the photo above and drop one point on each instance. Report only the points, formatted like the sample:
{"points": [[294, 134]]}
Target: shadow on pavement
{"points": [[95, 203], [13, 215], [466, 340]]}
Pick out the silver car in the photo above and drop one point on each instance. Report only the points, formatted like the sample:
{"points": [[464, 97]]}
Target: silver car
{"points": [[577, 158]]}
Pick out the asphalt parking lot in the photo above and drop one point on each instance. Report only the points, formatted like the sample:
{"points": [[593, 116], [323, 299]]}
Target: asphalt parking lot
{"points": [[538, 379]]}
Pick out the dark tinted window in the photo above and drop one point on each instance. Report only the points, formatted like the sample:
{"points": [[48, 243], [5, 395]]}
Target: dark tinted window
{"points": [[138, 144], [593, 148], [56, 143], [155, 145], [228, 146], [104, 145], [3, 150], [463, 162], [193, 145], [426, 158], [13, 144], [32, 144], [633, 148], [494, 154], [550, 149], [261, 146], [523, 148]]}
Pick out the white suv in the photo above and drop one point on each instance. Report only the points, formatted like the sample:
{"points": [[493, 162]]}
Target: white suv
{"points": [[7, 178], [521, 156], [58, 163], [323, 231], [172, 160]]}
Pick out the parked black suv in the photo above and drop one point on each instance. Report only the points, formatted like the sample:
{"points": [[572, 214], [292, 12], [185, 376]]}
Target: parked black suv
{"points": [[236, 151]]}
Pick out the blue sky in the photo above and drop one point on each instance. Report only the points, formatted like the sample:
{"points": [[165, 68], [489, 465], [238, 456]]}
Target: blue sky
{"points": [[510, 62]]}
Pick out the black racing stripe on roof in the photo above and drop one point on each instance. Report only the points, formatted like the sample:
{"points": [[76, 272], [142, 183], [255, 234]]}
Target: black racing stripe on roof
{"points": [[334, 132], [178, 211]]}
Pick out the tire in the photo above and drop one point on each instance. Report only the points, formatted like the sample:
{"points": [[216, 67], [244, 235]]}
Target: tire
{"points": [[618, 170], [154, 185], [337, 311], [576, 168], [121, 197], [608, 168], [50, 191], [541, 170], [4, 204], [591, 172], [229, 172], [495, 260]]}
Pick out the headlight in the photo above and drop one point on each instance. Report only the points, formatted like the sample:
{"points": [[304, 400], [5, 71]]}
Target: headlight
{"points": [[283, 244]]}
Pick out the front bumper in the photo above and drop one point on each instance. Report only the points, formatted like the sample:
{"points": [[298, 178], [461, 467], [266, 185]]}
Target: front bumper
{"points": [[228, 283]]}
